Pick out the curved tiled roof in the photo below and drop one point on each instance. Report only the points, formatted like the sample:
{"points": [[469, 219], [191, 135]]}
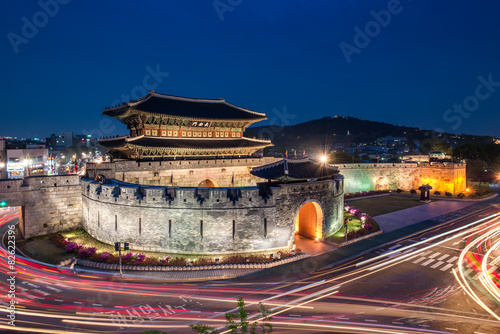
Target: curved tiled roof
{"points": [[185, 107], [289, 169], [188, 143]]}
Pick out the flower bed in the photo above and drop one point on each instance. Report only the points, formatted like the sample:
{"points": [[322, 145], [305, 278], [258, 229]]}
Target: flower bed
{"points": [[141, 259]]}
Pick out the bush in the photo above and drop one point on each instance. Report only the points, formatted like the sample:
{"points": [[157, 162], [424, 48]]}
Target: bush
{"points": [[127, 256], [399, 191], [72, 247], [473, 195], [86, 252], [413, 191], [461, 195], [448, 194], [105, 256], [437, 193]]}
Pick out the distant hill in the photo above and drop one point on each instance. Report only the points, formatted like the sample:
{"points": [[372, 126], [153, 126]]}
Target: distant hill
{"points": [[333, 130]]}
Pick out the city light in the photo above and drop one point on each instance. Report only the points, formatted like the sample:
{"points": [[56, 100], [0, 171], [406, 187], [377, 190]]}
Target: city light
{"points": [[323, 158], [3, 204]]}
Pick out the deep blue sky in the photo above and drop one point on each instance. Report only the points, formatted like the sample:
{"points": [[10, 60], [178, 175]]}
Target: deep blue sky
{"points": [[263, 55]]}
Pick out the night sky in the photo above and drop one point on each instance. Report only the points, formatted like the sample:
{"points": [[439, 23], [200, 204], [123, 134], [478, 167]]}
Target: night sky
{"points": [[302, 59]]}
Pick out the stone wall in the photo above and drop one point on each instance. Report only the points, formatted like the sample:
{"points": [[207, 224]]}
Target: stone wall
{"points": [[48, 203], [184, 173], [405, 176], [358, 177], [205, 220]]}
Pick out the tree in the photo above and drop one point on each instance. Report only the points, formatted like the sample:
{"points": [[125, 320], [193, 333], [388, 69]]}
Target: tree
{"points": [[428, 145], [243, 325]]}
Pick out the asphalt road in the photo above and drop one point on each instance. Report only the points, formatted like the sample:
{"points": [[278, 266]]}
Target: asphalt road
{"points": [[404, 286]]}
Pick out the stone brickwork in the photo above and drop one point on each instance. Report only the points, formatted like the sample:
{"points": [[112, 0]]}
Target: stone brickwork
{"points": [[184, 173], [405, 176], [205, 220], [359, 177], [48, 203]]}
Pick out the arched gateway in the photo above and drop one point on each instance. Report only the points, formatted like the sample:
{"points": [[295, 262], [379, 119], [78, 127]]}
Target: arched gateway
{"points": [[309, 221]]}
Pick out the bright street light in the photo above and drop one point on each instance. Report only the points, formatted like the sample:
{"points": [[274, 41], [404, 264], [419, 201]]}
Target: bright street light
{"points": [[323, 158]]}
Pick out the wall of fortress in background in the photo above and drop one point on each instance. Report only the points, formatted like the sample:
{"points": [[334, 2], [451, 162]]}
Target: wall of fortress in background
{"points": [[358, 177]]}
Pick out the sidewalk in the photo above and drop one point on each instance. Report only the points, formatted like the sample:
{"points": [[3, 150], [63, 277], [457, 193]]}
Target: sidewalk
{"points": [[395, 220]]}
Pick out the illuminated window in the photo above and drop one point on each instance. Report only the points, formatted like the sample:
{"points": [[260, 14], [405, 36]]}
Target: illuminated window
{"points": [[204, 133], [210, 134], [189, 133], [226, 134], [163, 133], [147, 132], [233, 135], [183, 134], [169, 133], [217, 134], [154, 133], [175, 134], [238, 134]]}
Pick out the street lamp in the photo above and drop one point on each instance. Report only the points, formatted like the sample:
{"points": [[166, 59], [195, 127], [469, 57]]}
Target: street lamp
{"points": [[323, 158]]}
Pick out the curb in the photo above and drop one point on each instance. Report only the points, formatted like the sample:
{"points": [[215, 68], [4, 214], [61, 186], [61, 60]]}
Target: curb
{"points": [[108, 266], [450, 199]]}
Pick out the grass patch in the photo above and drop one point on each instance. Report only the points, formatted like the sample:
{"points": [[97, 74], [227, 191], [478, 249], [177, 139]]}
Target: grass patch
{"points": [[44, 250], [353, 225], [380, 205]]}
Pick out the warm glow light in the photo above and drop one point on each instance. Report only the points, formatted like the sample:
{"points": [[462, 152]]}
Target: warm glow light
{"points": [[2, 165], [467, 189], [323, 158]]}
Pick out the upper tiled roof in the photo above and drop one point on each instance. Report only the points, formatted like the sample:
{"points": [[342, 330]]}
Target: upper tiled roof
{"points": [[185, 107]]}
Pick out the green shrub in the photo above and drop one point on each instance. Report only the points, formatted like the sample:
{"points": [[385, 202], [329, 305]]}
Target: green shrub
{"points": [[399, 191], [413, 191], [461, 195], [437, 193], [448, 194]]}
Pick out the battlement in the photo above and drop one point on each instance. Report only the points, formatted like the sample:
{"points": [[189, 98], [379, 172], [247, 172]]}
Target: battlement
{"points": [[38, 182]]}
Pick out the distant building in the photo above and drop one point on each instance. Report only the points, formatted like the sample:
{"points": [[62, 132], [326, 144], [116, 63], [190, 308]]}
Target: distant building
{"points": [[391, 141], [32, 160], [3, 159], [67, 138]]}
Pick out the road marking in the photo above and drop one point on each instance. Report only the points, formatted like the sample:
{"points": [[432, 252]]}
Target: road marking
{"points": [[54, 289], [443, 257], [294, 315], [395, 246], [397, 323], [97, 304], [419, 260], [427, 262], [78, 302], [468, 271], [370, 320], [452, 259], [448, 266], [424, 325], [452, 329], [41, 292], [437, 264], [394, 254], [342, 318], [434, 255], [58, 300]]}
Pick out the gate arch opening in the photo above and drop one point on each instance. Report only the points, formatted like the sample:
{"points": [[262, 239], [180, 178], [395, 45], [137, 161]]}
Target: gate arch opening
{"points": [[309, 221], [208, 183]]}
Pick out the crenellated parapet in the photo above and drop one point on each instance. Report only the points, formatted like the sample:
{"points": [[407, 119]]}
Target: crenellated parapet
{"points": [[207, 220]]}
